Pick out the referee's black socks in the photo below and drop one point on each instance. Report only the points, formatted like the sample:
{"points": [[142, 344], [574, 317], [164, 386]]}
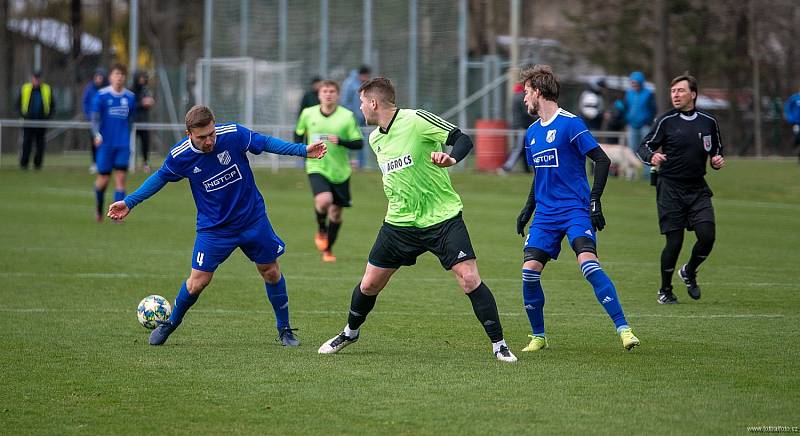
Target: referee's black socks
{"points": [[486, 310], [360, 306]]}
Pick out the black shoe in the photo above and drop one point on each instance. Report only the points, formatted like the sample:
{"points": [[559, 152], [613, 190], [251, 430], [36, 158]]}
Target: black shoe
{"points": [[691, 282], [665, 296], [287, 338]]}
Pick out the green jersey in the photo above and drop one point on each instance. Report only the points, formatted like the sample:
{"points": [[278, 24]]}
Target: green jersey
{"points": [[335, 166], [420, 193]]}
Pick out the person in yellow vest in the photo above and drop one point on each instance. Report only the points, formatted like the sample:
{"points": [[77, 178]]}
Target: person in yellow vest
{"points": [[36, 102]]}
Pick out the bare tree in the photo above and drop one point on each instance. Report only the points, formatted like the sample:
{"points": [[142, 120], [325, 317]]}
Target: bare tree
{"points": [[106, 22], [7, 67]]}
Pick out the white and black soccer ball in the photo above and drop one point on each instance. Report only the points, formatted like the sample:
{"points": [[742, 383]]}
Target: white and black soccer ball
{"points": [[153, 308]]}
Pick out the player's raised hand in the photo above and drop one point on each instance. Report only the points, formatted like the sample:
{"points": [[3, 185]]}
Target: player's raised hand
{"points": [[717, 162], [118, 210], [442, 160], [316, 150], [658, 159]]}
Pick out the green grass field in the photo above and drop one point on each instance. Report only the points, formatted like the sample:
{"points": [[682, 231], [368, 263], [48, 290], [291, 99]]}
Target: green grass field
{"points": [[74, 359]]}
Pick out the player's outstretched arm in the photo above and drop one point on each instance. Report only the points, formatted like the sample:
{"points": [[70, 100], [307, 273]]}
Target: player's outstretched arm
{"points": [[120, 209]]}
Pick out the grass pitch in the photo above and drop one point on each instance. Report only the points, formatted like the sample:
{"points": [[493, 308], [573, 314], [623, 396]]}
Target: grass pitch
{"points": [[74, 359]]}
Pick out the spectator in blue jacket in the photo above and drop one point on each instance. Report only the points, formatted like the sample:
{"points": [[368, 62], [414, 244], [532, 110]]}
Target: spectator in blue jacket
{"points": [[640, 110], [791, 111], [99, 80]]}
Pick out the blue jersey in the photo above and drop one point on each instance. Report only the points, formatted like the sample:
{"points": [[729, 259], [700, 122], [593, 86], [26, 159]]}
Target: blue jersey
{"points": [[116, 115], [222, 183], [556, 149]]}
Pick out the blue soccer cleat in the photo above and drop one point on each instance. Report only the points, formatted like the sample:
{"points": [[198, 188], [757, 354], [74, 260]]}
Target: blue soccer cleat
{"points": [[287, 338], [162, 332]]}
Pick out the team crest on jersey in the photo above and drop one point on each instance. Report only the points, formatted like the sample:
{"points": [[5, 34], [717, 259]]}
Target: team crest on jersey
{"points": [[224, 157], [546, 158], [551, 136], [707, 142]]}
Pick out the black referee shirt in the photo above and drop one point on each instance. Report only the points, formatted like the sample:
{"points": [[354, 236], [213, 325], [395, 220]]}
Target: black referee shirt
{"points": [[688, 139]]}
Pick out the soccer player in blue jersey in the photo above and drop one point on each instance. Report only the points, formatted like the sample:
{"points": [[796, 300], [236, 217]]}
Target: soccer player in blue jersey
{"points": [[230, 210], [112, 114], [557, 145]]}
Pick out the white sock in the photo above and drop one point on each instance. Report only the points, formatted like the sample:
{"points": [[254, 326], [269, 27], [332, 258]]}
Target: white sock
{"points": [[349, 332], [496, 345]]}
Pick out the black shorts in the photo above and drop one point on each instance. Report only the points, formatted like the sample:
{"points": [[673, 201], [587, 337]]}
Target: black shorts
{"points": [[683, 205], [396, 246], [340, 191]]}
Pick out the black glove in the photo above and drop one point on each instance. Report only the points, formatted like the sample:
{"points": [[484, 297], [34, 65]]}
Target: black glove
{"points": [[596, 215], [524, 217]]}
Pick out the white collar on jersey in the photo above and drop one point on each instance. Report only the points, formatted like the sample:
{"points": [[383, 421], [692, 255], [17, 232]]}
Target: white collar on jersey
{"points": [[546, 123]]}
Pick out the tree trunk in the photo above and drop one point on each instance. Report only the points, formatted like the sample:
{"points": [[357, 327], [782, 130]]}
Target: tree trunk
{"points": [[5, 70], [106, 22], [660, 50], [76, 23]]}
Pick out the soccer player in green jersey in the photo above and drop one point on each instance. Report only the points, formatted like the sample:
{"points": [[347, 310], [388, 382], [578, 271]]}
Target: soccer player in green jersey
{"points": [[329, 176], [424, 212]]}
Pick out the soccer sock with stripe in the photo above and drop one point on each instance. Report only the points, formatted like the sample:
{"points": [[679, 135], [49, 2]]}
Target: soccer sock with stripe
{"points": [[360, 306], [605, 291], [98, 199], [119, 195], [277, 296], [333, 232], [183, 302], [485, 309], [533, 298], [321, 218]]}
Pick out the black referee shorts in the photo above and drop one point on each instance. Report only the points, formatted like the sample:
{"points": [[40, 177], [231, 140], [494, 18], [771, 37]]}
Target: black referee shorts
{"points": [[397, 246], [340, 191], [683, 205]]}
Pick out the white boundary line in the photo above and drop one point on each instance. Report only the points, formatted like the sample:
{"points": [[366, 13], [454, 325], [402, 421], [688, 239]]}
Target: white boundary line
{"points": [[434, 314]]}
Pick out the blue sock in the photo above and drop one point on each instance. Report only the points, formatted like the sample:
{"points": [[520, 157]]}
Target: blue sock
{"points": [[605, 291], [119, 195], [98, 199], [276, 293], [533, 297], [183, 302]]}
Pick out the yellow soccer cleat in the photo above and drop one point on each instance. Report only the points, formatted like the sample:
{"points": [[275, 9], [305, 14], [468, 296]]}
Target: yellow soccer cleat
{"points": [[628, 339], [537, 343]]}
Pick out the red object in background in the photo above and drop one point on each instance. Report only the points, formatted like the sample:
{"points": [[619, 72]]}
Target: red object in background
{"points": [[490, 147]]}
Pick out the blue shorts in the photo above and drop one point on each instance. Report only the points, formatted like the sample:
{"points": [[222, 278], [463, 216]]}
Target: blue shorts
{"points": [[259, 243], [109, 158], [547, 234]]}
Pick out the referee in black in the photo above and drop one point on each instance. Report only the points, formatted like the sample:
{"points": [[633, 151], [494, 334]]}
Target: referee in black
{"points": [[680, 143]]}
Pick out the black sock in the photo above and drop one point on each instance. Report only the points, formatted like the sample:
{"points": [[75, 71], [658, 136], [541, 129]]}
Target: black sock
{"points": [[360, 306], [321, 224], [669, 257], [486, 310], [706, 234], [333, 231]]}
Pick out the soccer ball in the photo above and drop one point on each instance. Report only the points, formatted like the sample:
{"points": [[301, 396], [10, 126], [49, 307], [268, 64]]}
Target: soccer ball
{"points": [[153, 308]]}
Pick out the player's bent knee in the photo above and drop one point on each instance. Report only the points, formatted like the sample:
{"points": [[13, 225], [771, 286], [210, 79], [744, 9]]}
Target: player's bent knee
{"points": [[582, 244], [536, 255], [196, 285], [271, 273]]}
